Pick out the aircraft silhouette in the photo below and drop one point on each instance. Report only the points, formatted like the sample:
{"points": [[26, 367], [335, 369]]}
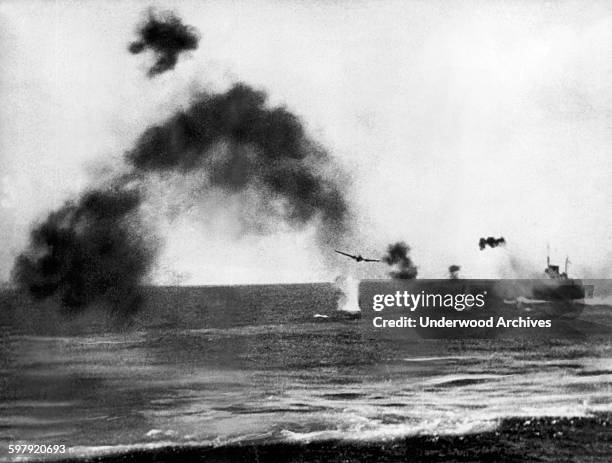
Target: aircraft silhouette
{"points": [[358, 257]]}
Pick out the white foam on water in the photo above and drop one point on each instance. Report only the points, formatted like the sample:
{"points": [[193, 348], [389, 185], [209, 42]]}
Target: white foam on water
{"points": [[375, 431], [184, 442], [96, 450]]}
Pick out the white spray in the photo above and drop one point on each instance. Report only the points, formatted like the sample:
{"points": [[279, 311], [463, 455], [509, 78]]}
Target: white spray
{"points": [[349, 300]]}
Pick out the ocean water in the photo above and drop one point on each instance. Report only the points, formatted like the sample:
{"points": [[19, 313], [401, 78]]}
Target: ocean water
{"points": [[220, 365]]}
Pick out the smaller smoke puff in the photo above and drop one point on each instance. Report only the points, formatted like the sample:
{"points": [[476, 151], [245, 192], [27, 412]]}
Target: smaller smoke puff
{"points": [[397, 255], [453, 272], [491, 242], [167, 37], [89, 251]]}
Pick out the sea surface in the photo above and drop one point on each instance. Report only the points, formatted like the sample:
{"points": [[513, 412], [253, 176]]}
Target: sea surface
{"points": [[217, 366]]}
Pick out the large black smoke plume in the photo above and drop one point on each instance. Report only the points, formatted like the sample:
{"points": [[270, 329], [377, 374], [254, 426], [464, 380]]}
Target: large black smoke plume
{"points": [[397, 255], [95, 248], [99, 249], [167, 37], [89, 251]]}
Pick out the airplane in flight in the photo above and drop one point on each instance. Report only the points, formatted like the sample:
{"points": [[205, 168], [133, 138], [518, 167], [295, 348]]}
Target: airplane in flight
{"points": [[358, 257]]}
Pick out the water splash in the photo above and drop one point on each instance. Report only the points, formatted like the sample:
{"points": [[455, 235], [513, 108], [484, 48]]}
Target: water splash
{"points": [[349, 299]]}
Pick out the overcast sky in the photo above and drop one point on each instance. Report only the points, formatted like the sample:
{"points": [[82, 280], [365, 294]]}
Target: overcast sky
{"points": [[456, 120]]}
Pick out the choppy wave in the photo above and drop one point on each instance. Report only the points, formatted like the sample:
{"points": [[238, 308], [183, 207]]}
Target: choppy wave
{"points": [[375, 431]]}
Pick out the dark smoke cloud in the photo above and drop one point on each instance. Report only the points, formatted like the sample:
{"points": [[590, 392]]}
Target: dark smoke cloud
{"points": [[453, 272], [491, 242], [397, 255], [98, 248], [240, 143], [167, 37], [88, 251]]}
